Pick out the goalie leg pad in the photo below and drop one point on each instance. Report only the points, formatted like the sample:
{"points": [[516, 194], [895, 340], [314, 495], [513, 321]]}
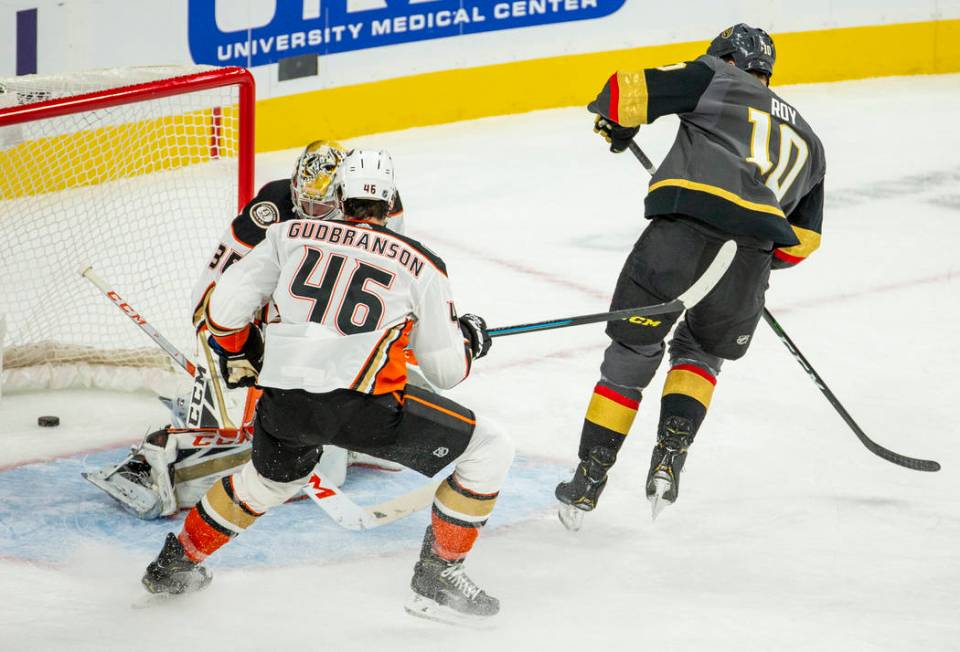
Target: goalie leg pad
{"points": [[203, 457], [160, 452]]}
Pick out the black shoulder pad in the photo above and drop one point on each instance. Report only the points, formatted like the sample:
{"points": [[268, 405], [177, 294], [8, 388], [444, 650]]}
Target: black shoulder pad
{"points": [[271, 205]]}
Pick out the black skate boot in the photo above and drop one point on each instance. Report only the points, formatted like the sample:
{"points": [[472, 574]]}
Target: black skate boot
{"points": [[582, 492], [663, 481], [442, 591], [171, 572]]}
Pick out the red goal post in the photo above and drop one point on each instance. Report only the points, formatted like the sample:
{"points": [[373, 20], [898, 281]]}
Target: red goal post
{"points": [[137, 171]]}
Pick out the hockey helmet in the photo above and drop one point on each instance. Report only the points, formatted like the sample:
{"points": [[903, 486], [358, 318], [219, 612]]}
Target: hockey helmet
{"points": [[368, 174], [313, 186], [751, 48]]}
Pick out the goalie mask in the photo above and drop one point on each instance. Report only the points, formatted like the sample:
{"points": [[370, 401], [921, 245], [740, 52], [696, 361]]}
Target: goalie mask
{"points": [[313, 185]]}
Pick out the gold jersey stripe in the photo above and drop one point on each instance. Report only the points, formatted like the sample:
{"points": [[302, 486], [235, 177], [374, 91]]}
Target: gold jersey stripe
{"points": [[211, 466], [227, 509], [633, 100], [378, 359], [451, 500], [609, 414], [809, 242], [719, 192], [681, 381]]}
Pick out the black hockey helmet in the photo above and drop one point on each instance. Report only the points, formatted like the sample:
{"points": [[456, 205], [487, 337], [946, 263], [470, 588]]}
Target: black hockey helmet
{"points": [[750, 47]]}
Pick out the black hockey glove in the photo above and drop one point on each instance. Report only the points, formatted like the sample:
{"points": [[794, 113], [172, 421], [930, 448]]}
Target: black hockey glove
{"points": [[241, 369], [618, 137], [474, 330]]}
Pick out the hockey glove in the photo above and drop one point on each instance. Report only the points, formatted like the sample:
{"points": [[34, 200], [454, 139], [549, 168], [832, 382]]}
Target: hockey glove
{"points": [[618, 137], [241, 368], [475, 335]]}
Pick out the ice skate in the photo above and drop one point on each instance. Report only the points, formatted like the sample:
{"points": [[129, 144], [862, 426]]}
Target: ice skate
{"points": [[581, 493], [442, 591], [172, 573], [663, 480]]}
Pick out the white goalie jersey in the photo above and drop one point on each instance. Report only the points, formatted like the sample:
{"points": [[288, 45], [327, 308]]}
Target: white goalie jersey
{"points": [[351, 298]]}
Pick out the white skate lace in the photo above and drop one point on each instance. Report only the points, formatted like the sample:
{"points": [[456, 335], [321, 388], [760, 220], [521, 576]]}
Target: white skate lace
{"points": [[460, 580]]}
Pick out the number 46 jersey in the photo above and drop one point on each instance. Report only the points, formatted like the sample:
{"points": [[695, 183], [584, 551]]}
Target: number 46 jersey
{"points": [[744, 160], [351, 297]]}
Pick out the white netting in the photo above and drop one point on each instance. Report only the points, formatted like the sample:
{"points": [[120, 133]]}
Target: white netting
{"points": [[141, 191]]}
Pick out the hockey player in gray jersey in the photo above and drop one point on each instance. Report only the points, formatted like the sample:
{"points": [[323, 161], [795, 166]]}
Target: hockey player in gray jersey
{"points": [[745, 165]]}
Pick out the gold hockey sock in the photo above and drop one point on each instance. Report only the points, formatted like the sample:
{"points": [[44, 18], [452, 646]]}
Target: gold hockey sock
{"points": [[217, 518], [687, 393], [458, 515], [609, 417]]}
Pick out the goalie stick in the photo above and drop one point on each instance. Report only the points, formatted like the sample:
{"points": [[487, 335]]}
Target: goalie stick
{"points": [[872, 446], [199, 411], [688, 299], [337, 505]]}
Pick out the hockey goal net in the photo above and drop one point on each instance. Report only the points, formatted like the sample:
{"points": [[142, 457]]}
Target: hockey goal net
{"points": [[135, 172]]}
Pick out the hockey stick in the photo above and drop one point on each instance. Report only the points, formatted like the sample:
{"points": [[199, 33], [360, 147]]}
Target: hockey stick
{"points": [[688, 299], [87, 272], [872, 446], [201, 382], [352, 516], [217, 389], [342, 510]]}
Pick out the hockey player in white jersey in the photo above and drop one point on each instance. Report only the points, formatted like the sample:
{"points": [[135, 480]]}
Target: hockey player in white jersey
{"points": [[352, 296], [172, 468]]}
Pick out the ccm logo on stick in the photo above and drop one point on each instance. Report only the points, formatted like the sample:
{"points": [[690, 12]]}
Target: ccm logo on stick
{"points": [[125, 307]]}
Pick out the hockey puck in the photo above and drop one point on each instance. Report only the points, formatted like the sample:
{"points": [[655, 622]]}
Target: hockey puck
{"points": [[48, 422]]}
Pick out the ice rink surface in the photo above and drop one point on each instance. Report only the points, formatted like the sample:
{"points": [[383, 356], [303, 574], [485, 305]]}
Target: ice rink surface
{"points": [[788, 534]]}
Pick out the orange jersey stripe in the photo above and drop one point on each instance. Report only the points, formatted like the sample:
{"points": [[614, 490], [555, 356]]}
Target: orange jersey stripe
{"points": [[392, 377], [419, 400]]}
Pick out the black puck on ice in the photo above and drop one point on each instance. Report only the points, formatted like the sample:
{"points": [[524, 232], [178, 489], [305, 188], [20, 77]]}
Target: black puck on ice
{"points": [[48, 422]]}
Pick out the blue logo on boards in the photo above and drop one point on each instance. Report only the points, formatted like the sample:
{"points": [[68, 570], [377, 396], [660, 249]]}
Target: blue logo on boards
{"points": [[331, 26]]}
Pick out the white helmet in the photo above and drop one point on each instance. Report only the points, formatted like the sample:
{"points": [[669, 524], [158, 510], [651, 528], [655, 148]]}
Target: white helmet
{"points": [[368, 174], [312, 184]]}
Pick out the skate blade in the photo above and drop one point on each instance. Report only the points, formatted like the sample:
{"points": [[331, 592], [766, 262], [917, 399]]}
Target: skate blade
{"points": [[152, 600], [422, 607], [661, 485], [571, 517], [134, 498]]}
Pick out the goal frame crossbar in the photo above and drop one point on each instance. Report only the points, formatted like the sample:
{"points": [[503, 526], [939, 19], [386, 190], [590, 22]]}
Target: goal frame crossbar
{"points": [[157, 89]]}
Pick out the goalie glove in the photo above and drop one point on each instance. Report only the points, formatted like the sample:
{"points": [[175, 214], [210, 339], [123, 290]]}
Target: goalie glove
{"points": [[475, 335], [241, 356], [619, 137]]}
